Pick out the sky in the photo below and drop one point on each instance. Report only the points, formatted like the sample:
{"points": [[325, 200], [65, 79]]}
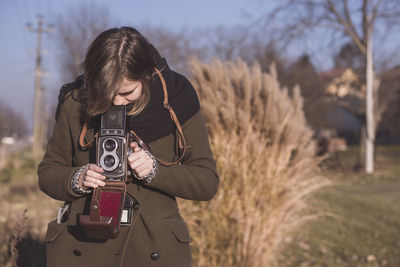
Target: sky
{"points": [[17, 46]]}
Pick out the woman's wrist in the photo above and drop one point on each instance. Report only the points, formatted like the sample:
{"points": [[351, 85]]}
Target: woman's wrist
{"points": [[149, 177], [76, 181]]}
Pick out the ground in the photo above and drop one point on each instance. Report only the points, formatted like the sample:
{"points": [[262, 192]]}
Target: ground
{"points": [[356, 219], [359, 216]]}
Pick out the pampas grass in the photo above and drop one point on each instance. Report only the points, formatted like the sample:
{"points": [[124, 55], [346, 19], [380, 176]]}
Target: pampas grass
{"points": [[266, 160]]}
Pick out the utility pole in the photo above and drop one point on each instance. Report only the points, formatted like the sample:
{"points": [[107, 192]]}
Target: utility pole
{"points": [[39, 105]]}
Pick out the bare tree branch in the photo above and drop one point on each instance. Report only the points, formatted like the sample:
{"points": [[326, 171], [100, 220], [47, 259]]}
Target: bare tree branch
{"points": [[348, 27], [350, 22], [375, 11], [75, 30], [365, 23]]}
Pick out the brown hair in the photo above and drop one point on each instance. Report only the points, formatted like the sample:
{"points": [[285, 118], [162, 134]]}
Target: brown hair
{"points": [[114, 54]]}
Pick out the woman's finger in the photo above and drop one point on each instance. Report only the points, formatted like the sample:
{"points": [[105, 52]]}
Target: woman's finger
{"points": [[143, 161], [91, 173], [95, 168], [137, 155], [90, 184], [135, 146], [94, 181], [143, 170]]}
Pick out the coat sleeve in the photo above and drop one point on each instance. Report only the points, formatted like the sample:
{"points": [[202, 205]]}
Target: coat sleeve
{"points": [[196, 177], [56, 168]]}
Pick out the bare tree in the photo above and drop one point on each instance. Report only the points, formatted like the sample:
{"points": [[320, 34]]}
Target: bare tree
{"points": [[357, 21], [390, 87], [349, 56], [316, 103], [176, 46], [225, 43], [11, 122], [229, 43], [75, 29]]}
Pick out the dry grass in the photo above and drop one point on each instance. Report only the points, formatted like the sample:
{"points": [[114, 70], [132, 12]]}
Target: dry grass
{"points": [[267, 165], [24, 213]]}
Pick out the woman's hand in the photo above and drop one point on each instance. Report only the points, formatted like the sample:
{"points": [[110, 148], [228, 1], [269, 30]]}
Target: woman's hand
{"points": [[92, 177], [139, 160]]}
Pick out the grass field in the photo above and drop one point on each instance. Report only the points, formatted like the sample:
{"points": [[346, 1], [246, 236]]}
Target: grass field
{"points": [[24, 214], [361, 225], [358, 221]]}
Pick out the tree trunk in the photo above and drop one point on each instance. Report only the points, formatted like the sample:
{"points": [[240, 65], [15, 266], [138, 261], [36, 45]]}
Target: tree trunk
{"points": [[369, 144], [361, 152]]}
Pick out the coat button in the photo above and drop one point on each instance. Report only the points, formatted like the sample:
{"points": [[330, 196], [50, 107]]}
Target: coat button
{"points": [[155, 256]]}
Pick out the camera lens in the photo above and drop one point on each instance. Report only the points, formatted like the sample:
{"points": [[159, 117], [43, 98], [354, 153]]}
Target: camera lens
{"points": [[110, 144], [109, 161]]}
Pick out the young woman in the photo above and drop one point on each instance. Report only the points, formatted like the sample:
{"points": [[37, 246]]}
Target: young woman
{"points": [[123, 68]]}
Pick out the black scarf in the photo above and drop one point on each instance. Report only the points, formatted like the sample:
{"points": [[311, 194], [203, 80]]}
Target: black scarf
{"points": [[154, 121]]}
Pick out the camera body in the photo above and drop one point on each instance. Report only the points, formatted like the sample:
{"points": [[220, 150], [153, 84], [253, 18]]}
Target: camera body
{"points": [[112, 144]]}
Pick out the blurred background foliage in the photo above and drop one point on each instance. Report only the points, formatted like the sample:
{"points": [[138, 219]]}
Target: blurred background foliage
{"points": [[287, 138]]}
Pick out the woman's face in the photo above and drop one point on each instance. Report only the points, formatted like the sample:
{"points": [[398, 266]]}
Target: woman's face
{"points": [[128, 92]]}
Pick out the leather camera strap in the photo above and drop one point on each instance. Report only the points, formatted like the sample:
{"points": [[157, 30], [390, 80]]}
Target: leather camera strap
{"points": [[181, 138], [82, 137]]}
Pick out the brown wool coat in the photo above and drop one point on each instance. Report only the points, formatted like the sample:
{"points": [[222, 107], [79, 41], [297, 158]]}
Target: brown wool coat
{"points": [[158, 235]]}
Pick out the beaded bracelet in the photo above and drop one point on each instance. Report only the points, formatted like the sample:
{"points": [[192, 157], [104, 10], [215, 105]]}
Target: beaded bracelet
{"points": [[75, 182]]}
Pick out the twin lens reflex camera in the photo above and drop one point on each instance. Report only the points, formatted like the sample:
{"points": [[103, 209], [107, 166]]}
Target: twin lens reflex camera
{"points": [[112, 144]]}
